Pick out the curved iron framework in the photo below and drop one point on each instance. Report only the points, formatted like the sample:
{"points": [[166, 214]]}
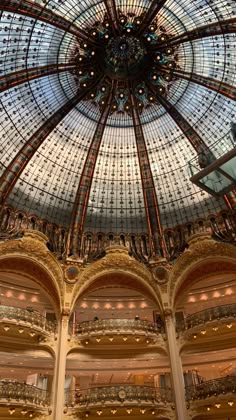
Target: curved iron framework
{"points": [[152, 71]]}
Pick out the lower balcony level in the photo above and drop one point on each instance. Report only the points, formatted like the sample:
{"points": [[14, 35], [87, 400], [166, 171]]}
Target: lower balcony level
{"points": [[18, 399]]}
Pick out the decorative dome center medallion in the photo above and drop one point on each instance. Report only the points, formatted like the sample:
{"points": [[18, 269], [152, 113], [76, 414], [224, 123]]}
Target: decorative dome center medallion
{"points": [[125, 57]]}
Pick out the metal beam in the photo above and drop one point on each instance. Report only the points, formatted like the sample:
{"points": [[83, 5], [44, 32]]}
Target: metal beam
{"points": [[83, 191], [112, 15], [217, 28], [13, 171], [149, 192], [18, 77], [152, 12], [34, 10], [218, 86]]}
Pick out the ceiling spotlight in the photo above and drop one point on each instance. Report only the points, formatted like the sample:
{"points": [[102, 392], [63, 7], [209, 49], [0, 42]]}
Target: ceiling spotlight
{"points": [[217, 405], [23, 411], [203, 332], [106, 36], [98, 339], [87, 341], [107, 24], [84, 84], [231, 403], [32, 333], [94, 33], [125, 338], [121, 95], [154, 77], [31, 415], [229, 325], [99, 412], [11, 410], [80, 72], [103, 88], [142, 411], [128, 30], [208, 408], [111, 338], [149, 38], [92, 73], [86, 414], [6, 328], [113, 411], [92, 52], [140, 91], [195, 336], [92, 95], [153, 412], [129, 410], [137, 339], [21, 330], [215, 328]]}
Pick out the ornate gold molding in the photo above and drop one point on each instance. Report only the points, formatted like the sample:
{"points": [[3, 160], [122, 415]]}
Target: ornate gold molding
{"points": [[117, 262], [204, 257], [30, 256]]}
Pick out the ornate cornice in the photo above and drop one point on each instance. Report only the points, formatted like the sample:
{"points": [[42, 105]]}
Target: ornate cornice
{"points": [[116, 261], [30, 256], [204, 257]]}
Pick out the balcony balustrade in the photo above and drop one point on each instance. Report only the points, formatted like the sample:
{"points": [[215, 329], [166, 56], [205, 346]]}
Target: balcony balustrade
{"points": [[13, 224], [223, 312], [210, 388], [118, 329], [10, 315], [127, 395], [19, 393]]}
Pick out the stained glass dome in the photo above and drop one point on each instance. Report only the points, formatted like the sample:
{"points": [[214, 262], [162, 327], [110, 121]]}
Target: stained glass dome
{"points": [[103, 105]]}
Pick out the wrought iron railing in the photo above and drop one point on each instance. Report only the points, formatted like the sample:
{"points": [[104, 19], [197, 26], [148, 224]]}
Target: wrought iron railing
{"points": [[125, 394], [209, 388], [26, 316], [210, 314], [13, 223], [22, 392], [116, 326]]}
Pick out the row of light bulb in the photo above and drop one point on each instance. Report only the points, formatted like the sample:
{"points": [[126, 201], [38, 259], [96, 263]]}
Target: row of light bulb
{"points": [[23, 412], [128, 411]]}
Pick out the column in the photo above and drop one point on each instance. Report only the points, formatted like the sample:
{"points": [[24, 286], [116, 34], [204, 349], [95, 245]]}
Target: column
{"points": [[60, 369], [176, 369]]}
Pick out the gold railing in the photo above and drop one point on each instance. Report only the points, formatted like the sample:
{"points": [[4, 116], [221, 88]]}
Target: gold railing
{"points": [[22, 392], [210, 314], [116, 326], [14, 222], [209, 388], [26, 316], [125, 394]]}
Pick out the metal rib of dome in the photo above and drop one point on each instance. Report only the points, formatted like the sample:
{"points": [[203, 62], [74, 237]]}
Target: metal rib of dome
{"points": [[104, 103]]}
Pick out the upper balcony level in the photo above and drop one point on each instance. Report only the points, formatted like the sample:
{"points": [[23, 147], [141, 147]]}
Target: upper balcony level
{"points": [[218, 322], [26, 323], [118, 331]]}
